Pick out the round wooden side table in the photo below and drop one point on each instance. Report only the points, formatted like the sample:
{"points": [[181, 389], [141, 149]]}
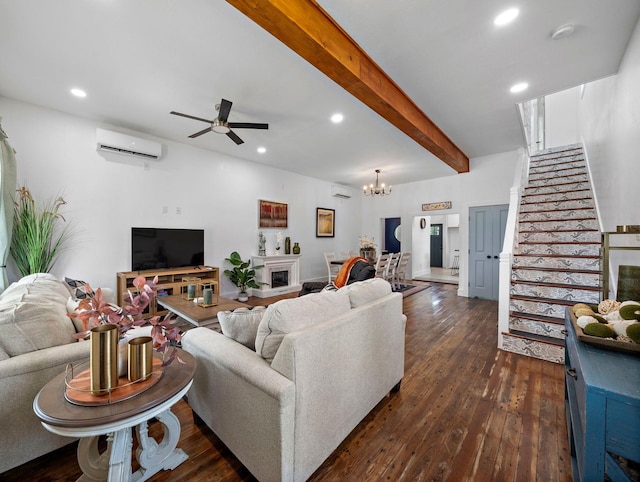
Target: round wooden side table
{"points": [[117, 420]]}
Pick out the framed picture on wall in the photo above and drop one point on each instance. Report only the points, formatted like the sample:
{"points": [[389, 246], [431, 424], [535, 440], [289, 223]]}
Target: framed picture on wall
{"points": [[273, 214], [325, 223]]}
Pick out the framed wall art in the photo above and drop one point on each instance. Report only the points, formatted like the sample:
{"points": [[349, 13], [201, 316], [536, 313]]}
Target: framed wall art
{"points": [[273, 214], [325, 223]]}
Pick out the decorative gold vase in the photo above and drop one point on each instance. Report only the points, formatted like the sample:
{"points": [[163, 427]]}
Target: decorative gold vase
{"points": [[104, 358], [140, 358]]}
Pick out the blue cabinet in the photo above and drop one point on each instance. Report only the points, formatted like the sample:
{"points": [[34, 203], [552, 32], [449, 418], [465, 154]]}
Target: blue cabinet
{"points": [[602, 397]]}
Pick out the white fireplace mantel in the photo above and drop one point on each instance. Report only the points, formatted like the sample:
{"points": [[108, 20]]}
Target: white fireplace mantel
{"points": [[276, 263]]}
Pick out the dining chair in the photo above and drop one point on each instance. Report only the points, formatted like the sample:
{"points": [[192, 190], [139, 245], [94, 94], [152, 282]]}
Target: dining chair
{"points": [[332, 269], [391, 269], [382, 264], [400, 275]]}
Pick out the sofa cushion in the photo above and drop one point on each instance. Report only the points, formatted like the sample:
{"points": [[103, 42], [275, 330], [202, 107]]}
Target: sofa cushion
{"points": [[33, 316], [241, 324], [294, 314], [78, 288], [363, 292]]}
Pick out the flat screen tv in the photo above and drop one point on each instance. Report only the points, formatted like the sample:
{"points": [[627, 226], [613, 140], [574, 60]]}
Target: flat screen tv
{"points": [[158, 248]]}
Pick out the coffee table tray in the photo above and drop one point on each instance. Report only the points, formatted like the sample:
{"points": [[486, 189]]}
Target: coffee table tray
{"points": [[78, 388]]}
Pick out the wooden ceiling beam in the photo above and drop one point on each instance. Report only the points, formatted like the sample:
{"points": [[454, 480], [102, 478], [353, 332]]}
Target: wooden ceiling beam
{"points": [[309, 31]]}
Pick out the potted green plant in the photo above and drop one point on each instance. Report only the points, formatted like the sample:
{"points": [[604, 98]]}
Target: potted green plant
{"points": [[243, 275], [37, 239]]}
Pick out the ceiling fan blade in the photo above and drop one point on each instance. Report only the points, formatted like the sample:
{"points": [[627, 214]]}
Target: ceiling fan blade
{"points": [[198, 134], [190, 117], [247, 125], [234, 137], [225, 108]]}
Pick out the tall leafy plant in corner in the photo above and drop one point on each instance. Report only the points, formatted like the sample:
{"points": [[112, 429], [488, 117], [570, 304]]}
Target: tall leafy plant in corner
{"points": [[37, 236], [242, 275]]}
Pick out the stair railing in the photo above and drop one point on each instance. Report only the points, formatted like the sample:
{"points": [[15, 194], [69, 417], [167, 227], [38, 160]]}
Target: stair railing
{"points": [[510, 242]]}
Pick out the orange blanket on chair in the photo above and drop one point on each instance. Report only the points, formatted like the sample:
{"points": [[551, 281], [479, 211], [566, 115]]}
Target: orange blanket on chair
{"points": [[345, 270]]}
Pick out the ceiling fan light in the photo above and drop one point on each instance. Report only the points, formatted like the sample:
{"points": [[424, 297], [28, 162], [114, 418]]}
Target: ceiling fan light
{"points": [[219, 127]]}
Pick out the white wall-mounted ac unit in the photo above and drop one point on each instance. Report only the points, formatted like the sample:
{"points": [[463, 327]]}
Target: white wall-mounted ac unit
{"points": [[341, 192], [109, 141]]}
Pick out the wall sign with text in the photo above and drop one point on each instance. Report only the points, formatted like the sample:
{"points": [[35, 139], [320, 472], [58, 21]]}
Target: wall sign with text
{"points": [[434, 206]]}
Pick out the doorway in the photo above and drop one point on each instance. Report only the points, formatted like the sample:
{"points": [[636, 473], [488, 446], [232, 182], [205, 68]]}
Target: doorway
{"points": [[392, 235], [487, 225], [436, 245]]}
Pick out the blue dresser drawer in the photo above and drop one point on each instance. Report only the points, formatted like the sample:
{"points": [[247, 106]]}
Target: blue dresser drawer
{"points": [[623, 429]]}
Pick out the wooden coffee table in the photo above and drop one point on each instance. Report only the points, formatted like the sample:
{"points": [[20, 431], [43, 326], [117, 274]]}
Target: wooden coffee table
{"points": [[117, 421], [192, 312]]}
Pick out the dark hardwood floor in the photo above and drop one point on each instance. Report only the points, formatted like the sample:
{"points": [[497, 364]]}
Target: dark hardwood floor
{"points": [[466, 412]]}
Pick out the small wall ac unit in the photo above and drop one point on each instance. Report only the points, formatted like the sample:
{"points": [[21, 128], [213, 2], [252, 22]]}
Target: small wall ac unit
{"points": [[109, 141], [341, 192]]}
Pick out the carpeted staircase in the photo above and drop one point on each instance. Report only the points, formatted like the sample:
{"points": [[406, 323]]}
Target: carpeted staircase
{"points": [[556, 261]]}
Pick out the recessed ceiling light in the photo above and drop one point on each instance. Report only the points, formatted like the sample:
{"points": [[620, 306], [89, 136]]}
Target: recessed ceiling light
{"points": [[506, 17], [337, 118], [261, 150], [522, 86], [78, 92]]}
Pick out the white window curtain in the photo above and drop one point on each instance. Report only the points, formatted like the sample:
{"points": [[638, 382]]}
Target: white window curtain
{"points": [[7, 191]]}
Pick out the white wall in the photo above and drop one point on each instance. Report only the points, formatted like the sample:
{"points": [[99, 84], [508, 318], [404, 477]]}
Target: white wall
{"points": [[107, 194], [561, 118], [488, 183], [609, 117]]}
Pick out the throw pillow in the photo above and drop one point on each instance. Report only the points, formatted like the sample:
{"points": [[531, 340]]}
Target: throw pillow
{"points": [[78, 288], [294, 314], [241, 324], [363, 292]]}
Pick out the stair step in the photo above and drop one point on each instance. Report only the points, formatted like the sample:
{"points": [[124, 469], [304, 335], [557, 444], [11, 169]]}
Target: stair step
{"points": [[572, 294], [563, 204], [554, 248], [539, 318], [554, 163], [592, 236], [557, 168], [558, 180], [558, 214], [536, 348], [585, 288], [563, 262], [566, 151], [539, 306], [554, 276], [537, 198], [554, 226], [532, 326], [556, 188], [550, 162]]}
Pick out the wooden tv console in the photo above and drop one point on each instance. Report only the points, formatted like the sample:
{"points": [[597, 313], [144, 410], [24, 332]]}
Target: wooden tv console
{"points": [[169, 283]]}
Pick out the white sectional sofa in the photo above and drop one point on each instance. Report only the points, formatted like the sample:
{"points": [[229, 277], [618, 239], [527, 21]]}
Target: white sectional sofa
{"points": [[36, 343], [322, 363]]}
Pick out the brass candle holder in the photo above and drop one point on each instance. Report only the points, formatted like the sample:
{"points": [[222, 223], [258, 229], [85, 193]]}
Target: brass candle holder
{"points": [[140, 365], [189, 288], [208, 291], [104, 358]]}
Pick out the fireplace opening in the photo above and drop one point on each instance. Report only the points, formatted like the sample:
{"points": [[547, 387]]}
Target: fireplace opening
{"points": [[279, 279]]}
